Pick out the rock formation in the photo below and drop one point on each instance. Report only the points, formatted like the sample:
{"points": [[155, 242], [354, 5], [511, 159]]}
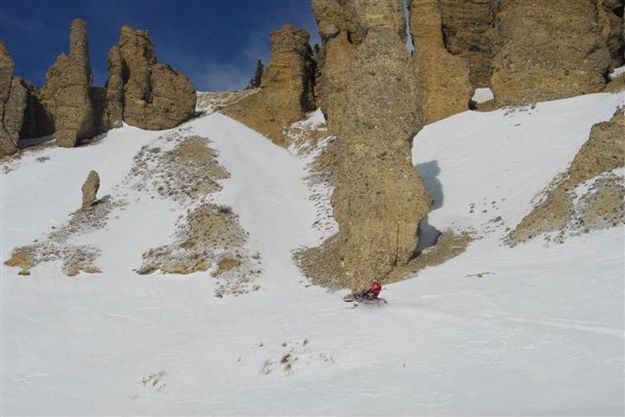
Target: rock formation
{"points": [[8, 143], [468, 33], [443, 78], [139, 90], [610, 17], [548, 50], [370, 97], [286, 92], [90, 190], [66, 93], [21, 113], [114, 102], [336, 57], [602, 153], [155, 96]]}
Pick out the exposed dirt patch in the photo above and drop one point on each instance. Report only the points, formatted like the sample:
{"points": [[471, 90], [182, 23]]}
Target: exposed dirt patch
{"points": [[209, 102], [226, 264], [207, 232], [449, 245], [305, 136], [57, 247], [209, 237], [188, 171]]}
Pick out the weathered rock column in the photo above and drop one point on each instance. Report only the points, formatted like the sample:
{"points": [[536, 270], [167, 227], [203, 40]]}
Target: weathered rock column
{"points": [[66, 93], [444, 78], [114, 106], [379, 199]]}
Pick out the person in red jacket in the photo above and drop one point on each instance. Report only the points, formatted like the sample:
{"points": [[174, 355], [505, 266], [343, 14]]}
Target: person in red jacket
{"points": [[372, 292]]}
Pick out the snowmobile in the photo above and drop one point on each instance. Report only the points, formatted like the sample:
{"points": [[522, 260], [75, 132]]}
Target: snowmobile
{"points": [[358, 298], [368, 296]]}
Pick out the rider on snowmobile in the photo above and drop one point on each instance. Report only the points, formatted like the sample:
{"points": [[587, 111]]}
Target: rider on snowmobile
{"points": [[372, 292]]}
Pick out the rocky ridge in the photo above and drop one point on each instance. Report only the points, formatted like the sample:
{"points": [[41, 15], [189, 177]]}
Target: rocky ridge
{"points": [[139, 91], [287, 88], [589, 195]]}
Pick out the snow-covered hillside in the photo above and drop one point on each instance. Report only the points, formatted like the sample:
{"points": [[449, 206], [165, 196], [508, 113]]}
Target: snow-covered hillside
{"points": [[536, 329]]}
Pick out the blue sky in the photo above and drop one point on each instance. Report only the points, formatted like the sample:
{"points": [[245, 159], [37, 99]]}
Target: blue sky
{"points": [[215, 42]]}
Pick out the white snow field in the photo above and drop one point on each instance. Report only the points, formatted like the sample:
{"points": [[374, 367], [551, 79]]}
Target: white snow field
{"points": [[531, 330]]}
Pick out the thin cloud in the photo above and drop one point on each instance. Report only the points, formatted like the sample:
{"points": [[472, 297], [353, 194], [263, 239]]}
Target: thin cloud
{"points": [[218, 76]]}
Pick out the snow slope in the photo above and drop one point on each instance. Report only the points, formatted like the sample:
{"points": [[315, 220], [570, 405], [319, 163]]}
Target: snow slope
{"points": [[496, 331]]}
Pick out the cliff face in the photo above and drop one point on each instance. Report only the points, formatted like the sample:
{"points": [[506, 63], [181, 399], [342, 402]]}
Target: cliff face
{"points": [[443, 77], [8, 140], [468, 28], [610, 18], [548, 50], [369, 94], [530, 50], [21, 112], [287, 89]]}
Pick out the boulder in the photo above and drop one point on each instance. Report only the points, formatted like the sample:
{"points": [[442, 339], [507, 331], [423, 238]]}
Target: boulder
{"points": [[443, 77], [155, 96], [286, 92], [90, 190], [373, 106], [548, 50], [66, 93]]}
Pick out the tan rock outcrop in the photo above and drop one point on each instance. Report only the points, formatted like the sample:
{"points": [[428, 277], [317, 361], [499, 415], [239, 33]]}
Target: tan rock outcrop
{"points": [[286, 92], [373, 108], [114, 102], [6, 72], [443, 78], [13, 117], [612, 29], [21, 113], [602, 153], [90, 190], [156, 96], [335, 58], [548, 50], [468, 29], [8, 140], [66, 93]]}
